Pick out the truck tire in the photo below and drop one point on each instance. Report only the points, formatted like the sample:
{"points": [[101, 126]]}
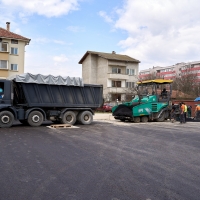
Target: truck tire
{"points": [[35, 118], [137, 119], [69, 117], [6, 119], [161, 118], [85, 117], [144, 119]]}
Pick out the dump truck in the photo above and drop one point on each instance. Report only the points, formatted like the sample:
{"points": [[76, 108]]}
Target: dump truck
{"points": [[31, 99], [152, 102]]}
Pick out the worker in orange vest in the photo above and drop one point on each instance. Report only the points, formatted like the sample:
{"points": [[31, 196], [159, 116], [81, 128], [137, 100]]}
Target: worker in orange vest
{"points": [[182, 113], [197, 111]]}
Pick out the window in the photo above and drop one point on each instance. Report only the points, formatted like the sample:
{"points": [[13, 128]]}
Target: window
{"points": [[3, 64], [116, 70], [116, 83], [14, 51], [130, 71], [14, 41], [130, 84], [14, 67], [3, 46], [114, 97]]}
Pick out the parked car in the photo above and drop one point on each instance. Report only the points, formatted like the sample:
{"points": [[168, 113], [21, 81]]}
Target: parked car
{"points": [[105, 108]]}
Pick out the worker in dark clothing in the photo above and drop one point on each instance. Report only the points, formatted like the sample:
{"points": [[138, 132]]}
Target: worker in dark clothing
{"points": [[189, 111], [164, 93], [175, 112]]}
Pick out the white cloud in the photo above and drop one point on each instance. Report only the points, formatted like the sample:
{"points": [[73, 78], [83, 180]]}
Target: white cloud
{"points": [[160, 32], [105, 17], [75, 29], [54, 65], [43, 40], [61, 58], [48, 8], [59, 42]]}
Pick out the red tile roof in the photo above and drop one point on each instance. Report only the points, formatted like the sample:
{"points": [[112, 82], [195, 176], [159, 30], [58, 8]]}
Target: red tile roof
{"points": [[7, 34]]}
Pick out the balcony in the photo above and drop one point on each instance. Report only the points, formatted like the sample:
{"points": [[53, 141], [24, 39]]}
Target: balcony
{"points": [[118, 76], [116, 90]]}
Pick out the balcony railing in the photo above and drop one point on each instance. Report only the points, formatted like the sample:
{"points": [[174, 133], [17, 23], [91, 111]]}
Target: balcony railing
{"points": [[118, 76], [117, 90]]}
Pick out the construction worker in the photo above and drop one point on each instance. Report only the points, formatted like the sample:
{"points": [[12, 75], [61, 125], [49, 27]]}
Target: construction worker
{"points": [[164, 93], [185, 111], [182, 113], [189, 110], [175, 112], [197, 111]]}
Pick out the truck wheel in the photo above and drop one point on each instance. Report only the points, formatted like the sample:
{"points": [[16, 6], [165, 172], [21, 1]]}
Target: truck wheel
{"points": [[69, 117], [35, 118], [144, 119], [136, 119], [161, 118], [6, 119], [85, 117]]}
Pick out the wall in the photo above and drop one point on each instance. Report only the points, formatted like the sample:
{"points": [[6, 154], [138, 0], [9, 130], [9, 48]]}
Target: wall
{"points": [[102, 72], [17, 59], [3, 73], [136, 68], [86, 69]]}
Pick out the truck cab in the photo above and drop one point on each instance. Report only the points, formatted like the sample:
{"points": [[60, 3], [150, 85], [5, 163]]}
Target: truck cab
{"points": [[6, 93]]}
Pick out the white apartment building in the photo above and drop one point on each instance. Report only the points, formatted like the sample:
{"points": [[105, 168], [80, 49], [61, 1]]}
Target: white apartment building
{"points": [[117, 73], [170, 72]]}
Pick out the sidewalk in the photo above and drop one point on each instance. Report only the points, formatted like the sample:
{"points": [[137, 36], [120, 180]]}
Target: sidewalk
{"points": [[103, 116]]}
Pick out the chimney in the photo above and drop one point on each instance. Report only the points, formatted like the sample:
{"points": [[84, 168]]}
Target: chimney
{"points": [[113, 52], [8, 26]]}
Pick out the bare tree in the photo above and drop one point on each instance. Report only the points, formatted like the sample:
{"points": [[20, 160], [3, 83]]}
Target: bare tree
{"points": [[186, 83], [151, 76]]}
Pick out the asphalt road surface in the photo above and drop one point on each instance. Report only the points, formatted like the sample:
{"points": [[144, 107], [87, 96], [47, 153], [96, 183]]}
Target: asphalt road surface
{"points": [[107, 160]]}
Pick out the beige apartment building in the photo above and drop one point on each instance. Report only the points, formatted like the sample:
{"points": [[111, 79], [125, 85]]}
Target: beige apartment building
{"points": [[12, 51], [117, 73]]}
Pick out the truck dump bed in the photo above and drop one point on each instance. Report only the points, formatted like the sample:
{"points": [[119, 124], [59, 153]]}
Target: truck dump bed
{"points": [[62, 96], [49, 91]]}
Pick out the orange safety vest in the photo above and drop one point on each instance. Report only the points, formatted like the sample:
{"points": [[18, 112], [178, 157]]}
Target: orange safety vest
{"points": [[182, 108], [198, 108]]}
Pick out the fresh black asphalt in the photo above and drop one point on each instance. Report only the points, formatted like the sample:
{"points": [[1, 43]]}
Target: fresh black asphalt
{"points": [[101, 161]]}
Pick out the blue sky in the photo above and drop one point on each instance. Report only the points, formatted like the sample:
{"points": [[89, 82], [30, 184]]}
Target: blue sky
{"points": [[158, 33]]}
